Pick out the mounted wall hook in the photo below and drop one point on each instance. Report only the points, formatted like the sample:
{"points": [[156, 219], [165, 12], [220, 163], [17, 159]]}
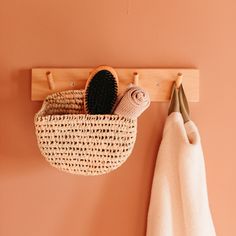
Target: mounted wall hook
{"points": [[50, 80], [136, 79], [179, 80], [156, 81]]}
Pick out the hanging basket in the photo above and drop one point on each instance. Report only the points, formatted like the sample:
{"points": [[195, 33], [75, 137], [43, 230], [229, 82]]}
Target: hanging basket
{"points": [[79, 143]]}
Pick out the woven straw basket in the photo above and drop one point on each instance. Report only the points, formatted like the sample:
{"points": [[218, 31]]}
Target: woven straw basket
{"points": [[78, 143]]}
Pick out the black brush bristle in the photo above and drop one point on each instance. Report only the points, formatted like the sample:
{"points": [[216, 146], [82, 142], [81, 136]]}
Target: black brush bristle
{"points": [[101, 93]]}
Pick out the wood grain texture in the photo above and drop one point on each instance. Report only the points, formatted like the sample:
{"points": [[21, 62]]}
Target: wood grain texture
{"points": [[157, 82]]}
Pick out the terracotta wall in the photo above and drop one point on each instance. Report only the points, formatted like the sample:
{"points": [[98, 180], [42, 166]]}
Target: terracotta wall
{"points": [[35, 198]]}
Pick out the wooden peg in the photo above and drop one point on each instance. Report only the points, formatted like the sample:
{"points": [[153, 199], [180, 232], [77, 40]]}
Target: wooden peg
{"points": [[50, 80], [136, 78], [179, 80]]}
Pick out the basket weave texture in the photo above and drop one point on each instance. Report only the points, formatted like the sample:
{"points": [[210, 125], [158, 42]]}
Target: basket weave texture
{"points": [[80, 143]]}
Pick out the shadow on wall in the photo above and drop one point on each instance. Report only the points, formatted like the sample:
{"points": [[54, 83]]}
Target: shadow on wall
{"points": [[18, 144], [115, 199]]}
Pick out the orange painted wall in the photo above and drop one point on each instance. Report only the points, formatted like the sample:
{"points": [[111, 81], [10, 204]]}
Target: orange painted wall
{"points": [[36, 199]]}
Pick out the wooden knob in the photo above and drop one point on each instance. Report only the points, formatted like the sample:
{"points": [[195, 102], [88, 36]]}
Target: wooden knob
{"points": [[179, 80], [136, 78], [50, 80]]}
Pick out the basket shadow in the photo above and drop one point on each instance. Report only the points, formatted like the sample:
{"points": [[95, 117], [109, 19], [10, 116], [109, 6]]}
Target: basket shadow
{"points": [[117, 203]]}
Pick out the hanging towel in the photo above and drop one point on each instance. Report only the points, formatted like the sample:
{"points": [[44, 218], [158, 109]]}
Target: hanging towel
{"points": [[133, 103], [179, 201]]}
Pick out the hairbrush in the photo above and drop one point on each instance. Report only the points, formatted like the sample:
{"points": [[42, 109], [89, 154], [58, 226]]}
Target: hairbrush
{"points": [[101, 91]]}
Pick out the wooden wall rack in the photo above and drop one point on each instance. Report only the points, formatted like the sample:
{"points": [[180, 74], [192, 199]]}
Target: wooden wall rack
{"points": [[157, 81]]}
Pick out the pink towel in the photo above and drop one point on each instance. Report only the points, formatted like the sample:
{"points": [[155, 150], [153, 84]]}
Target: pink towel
{"points": [[133, 103], [179, 201]]}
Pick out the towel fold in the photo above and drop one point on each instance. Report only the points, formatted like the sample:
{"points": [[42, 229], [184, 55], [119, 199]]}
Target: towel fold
{"points": [[133, 103]]}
